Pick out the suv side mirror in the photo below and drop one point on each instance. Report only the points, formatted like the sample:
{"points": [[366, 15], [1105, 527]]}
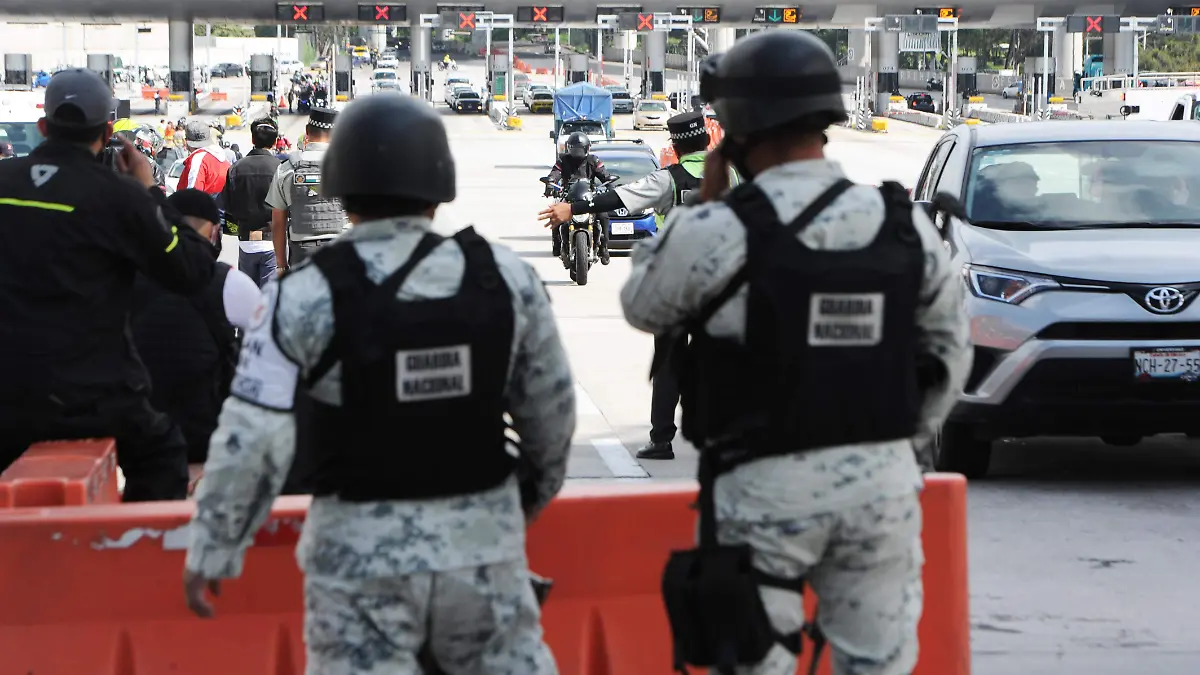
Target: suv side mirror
{"points": [[551, 135]]}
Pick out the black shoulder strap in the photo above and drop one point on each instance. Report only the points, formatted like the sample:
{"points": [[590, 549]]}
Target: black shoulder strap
{"points": [[818, 205], [898, 212], [481, 268], [346, 275], [392, 284]]}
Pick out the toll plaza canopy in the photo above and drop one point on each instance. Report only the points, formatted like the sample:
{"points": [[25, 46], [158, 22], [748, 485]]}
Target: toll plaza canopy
{"points": [[814, 13]]}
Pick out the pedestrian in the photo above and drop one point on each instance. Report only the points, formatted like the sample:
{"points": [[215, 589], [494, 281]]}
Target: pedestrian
{"points": [[247, 215], [76, 232], [414, 347], [304, 217], [189, 344], [819, 350], [207, 164], [660, 190]]}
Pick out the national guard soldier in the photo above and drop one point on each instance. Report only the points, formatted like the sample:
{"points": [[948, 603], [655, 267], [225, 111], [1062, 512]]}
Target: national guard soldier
{"points": [[661, 190], [818, 351], [414, 347], [297, 203]]}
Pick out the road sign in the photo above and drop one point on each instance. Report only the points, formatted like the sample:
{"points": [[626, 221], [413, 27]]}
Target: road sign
{"points": [[540, 14], [1184, 11], [777, 15], [701, 14], [920, 42], [904, 23], [940, 12], [383, 13], [639, 21], [290, 12], [1180, 24], [1093, 25], [618, 10]]}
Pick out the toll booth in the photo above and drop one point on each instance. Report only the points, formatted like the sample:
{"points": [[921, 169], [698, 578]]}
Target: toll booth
{"points": [[498, 83], [343, 76], [262, 74], [577, 68], [18, 72], [966, 83], [103, 64]]}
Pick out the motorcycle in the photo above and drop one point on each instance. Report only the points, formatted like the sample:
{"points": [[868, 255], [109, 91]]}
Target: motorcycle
{"points": [[581, 235]]}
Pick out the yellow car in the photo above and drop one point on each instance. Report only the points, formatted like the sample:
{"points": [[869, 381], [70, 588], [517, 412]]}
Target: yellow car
{"points": [[541, 101]]}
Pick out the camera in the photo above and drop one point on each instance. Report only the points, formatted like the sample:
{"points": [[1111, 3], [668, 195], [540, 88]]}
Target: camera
{"points": [[108, 156]]}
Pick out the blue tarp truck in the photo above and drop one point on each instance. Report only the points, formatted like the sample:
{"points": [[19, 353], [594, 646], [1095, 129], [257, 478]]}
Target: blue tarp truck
{"points": [[582, 107]]}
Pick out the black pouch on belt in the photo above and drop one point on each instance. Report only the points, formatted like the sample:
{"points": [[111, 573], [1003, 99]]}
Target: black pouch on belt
{"points": [[717, 616]]}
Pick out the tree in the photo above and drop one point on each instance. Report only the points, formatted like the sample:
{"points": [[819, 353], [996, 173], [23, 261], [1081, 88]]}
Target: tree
{"points": [[223, 30]]}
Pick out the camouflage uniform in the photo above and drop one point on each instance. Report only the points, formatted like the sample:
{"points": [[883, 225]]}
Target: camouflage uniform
{"points": [[847, 518], [383, 578]]}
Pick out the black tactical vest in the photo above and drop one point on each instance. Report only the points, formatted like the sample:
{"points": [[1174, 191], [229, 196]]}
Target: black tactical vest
{"points": [[422, 382], [683, 182], [246, 189], [830, 350], [312, 216]]}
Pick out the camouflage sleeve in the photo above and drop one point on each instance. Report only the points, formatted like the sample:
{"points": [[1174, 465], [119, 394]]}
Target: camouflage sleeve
{"points": [[943, 325], [655, 191], [675, 274], [541, 390], [252, 449]]}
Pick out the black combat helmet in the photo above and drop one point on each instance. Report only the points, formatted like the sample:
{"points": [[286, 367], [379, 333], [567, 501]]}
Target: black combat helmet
{"points": [[578, 145], [771, 79], [389, 145]]}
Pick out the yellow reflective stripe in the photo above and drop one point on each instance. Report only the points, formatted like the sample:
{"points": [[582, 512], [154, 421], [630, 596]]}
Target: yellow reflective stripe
{"points": [[174, 239], [49, 206]]}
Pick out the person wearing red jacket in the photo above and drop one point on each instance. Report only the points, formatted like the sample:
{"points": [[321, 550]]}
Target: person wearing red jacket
{"points": [[207, 165]]}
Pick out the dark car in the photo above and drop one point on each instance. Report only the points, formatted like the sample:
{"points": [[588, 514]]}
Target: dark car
{"points": [[921, 102], [228, 70], [622, 101], [933, 84], [631, 163], [1079, 259], [467, 101]]}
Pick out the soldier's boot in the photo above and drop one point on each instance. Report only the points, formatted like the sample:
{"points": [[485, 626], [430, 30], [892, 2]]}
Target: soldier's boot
{"points": [[604, 257], [656, 450]]}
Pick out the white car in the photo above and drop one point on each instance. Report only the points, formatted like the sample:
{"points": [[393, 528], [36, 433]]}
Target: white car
{"points": [[382, 75], [388, 62], [651, 114], [1013, 90], [289, 66], [173, 177]]}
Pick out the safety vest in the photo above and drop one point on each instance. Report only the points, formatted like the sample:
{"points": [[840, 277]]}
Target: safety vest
{"points": [[685, 176]]}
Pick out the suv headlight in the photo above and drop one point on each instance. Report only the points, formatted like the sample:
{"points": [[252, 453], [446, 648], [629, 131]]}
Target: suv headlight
{"points": [[1006, 286]]}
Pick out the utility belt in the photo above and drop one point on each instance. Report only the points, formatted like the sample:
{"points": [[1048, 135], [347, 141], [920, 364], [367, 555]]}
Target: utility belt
{"points": [[303, 249], [717, 616]]}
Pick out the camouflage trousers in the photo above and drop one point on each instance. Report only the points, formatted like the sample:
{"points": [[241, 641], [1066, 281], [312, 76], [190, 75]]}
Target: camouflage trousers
{"points": [[477, 621], [864, 564]]}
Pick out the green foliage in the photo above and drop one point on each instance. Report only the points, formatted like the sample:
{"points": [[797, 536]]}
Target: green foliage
{"points": [[1166, 53], [224, 30]]}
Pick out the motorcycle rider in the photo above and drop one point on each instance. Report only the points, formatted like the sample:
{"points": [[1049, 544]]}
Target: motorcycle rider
{"points": [[578, 163]]}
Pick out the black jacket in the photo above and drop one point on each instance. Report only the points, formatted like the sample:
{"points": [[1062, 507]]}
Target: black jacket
{"points": [[568, 167], [245, 193], [75, 234]]}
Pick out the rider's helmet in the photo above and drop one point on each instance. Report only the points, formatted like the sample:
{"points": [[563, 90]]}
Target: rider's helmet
{"points": [[578, 145]]}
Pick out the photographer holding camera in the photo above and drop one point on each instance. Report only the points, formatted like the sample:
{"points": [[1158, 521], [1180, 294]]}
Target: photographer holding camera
{"points": [[77, 231]]}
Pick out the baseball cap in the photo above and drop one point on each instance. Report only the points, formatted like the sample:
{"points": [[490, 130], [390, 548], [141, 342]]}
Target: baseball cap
{"points": [[83, 90], [197, 134], [192, 202]]}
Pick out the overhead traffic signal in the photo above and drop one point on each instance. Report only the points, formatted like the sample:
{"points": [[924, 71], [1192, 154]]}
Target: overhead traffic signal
{"points": [[637, 21], [383, 13], [290, 12], [1093, 25]]}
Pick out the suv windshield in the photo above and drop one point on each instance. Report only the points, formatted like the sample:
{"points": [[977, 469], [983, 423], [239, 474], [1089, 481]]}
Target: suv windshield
{"points": [[385, 75], [589, 129], [653, 106], [1084, 184], [24, 136]]}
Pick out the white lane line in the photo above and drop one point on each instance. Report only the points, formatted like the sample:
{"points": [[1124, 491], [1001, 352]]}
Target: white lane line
{"points": [[584, 405], [617, 459]]}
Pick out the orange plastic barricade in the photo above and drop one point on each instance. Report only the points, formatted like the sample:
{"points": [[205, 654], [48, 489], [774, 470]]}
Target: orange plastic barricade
{"points": [[62, 473], [219, 96], [97, 589]]}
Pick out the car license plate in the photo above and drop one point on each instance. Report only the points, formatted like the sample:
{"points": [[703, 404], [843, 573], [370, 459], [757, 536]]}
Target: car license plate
{"points": [[622, 228], [1166, 363]]}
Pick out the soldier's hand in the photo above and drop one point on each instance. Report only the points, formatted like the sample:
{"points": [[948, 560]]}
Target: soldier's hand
{"points": [[555, 214], [716, 176], [194, 586]]}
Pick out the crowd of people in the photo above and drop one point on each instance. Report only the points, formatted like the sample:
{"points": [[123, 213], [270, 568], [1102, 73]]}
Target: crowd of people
{"points": [[350, 319]]}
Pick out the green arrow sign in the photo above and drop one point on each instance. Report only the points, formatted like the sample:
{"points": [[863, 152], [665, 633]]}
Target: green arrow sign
{"points": [[775, 16]]}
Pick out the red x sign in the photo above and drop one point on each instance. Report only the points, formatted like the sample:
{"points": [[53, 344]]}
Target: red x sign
{"points": [[299, 12], [1093, 24], [645, 22], [381, 13], [539, 13], [466, 20]]}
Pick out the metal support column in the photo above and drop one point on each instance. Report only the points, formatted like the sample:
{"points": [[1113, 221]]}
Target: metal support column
{"points": [[421, 41], [1046, 25], [950, 82], [180, 61], [557, 59]]}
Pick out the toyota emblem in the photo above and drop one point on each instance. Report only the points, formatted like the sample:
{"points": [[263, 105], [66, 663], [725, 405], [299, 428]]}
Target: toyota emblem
{"points": [[1164, 300]]}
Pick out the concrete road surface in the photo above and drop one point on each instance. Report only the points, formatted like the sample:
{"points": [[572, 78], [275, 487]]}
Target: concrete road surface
{"points": [[1083, 556]]}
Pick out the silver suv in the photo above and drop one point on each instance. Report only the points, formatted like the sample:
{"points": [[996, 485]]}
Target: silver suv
{"points": [[1082, 261]]}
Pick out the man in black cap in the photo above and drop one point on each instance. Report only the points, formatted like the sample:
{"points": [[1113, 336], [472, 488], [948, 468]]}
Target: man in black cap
{"points": [[76, 232], [189, 344], [661, 190], [247, 215], [298, 209]]}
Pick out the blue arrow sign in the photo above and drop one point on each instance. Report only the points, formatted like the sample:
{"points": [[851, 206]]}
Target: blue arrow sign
{"points": [[775, 16]]}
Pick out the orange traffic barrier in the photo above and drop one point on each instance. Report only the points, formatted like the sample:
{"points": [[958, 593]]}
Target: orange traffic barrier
{"points": [[62, 473], [218, 96], [105, 580], [542, 71]]}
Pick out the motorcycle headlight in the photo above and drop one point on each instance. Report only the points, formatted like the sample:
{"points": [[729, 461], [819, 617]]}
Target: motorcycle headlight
{"points": [[1006, 286], [580, 218]]}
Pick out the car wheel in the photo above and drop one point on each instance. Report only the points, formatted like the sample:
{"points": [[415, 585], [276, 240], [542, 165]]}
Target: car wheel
{"points": [[956, 449]]}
